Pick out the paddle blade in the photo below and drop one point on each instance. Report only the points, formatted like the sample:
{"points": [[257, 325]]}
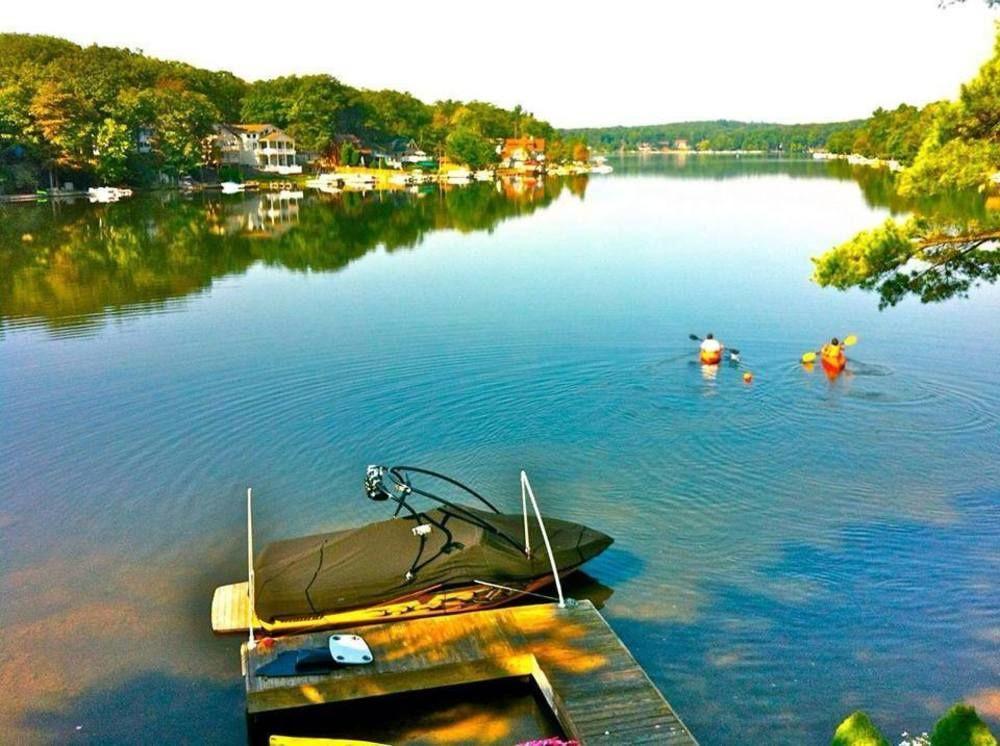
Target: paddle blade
{"points": [[694, 337], [809, 357], [850, 340]]}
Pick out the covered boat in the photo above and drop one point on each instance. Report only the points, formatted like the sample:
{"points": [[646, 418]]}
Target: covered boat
{"points": [[450, 558]]}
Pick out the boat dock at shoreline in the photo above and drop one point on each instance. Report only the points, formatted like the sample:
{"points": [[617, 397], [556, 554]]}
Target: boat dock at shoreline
{"points": [[589, 680]]}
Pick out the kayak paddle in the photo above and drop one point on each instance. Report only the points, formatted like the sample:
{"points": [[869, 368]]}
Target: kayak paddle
{"points": [[849, 341], [696, 338]]}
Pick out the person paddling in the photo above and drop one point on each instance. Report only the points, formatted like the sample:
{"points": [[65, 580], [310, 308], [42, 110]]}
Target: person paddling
{"points": [[833, 356], [711, 350]]}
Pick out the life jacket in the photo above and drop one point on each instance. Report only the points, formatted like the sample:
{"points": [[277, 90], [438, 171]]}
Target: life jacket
{"points": [[833, 356]]}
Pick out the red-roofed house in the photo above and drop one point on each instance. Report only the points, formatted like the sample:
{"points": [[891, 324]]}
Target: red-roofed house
{"points": [[522, 153]]}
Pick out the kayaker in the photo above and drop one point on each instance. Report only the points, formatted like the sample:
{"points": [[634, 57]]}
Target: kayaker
{"points": [[711, 350], [833, 355]]}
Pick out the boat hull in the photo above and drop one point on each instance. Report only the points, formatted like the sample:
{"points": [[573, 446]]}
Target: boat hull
{"points": [[231, 608]]}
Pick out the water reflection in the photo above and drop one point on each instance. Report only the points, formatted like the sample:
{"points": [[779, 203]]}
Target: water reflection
{"points": [[72, 266], [716, 167]]}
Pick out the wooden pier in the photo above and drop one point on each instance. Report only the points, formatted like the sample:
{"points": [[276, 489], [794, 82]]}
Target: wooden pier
{"points": [[594, 687]]}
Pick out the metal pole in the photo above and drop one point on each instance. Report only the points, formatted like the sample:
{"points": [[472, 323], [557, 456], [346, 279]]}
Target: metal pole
{"points": [[524, 512], [545, 537], [250, 615]]}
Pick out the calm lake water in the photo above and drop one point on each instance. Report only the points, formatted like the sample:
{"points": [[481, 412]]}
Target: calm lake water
{"points": [[786, 552]]}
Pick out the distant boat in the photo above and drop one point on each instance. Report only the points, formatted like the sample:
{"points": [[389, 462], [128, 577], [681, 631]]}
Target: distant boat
{"points": [[231, 187], [601, 168], [107, 194], [359, 181], [323, 182], [458, 176], [484, 174]]}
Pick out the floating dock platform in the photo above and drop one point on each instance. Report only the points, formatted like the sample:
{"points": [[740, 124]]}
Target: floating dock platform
{"points": [[595, 689]]}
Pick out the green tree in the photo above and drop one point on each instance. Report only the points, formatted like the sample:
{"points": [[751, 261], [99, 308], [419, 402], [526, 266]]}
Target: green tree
{"points": [[961, 726], [349, 155], [112, 145], [64, 126], [266, 101], [466, 146], [182, 121], [390, 114], [858, 730], [936, 254]]}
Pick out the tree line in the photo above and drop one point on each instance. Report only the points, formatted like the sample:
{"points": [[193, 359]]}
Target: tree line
{"points": [[721, 134], [104, 114]]}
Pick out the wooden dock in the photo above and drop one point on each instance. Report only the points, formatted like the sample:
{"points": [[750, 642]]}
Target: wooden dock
{"points": [[595, 688]]}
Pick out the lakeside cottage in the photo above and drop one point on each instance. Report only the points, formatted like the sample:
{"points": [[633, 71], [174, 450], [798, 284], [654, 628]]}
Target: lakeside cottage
{"points": [[522, 153], [261, 146], [412, 153]]}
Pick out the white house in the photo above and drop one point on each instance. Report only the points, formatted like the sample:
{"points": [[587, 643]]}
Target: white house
{"points": [[261, 146], [413, 153]]}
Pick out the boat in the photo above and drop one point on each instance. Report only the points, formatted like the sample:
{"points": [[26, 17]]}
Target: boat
{"points": [[427, 560], [107, 194], [833, 364], [355, 180], [483, 174], [231, 187], [458, 176], [324, 182], [601, 168]]}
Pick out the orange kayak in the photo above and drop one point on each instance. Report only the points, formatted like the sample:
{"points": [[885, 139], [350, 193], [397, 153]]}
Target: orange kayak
{"points": [[834, 364], [710, 358]]}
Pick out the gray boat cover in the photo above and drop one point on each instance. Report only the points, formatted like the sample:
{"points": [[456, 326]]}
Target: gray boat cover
{"points": [[368, 566]]}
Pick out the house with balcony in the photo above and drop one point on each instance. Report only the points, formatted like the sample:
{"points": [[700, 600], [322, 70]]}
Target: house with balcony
{"points": [[260, 146]]}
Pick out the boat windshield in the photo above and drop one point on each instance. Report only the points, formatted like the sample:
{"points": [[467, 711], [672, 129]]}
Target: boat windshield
{"points": [[396, 484]]}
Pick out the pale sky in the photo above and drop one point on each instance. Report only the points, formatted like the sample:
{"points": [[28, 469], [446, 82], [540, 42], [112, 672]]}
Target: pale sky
{"points": [[572, 63]]}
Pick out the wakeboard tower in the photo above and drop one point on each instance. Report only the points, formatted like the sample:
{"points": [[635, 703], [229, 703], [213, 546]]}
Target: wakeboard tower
{"points": [[434, 556]]}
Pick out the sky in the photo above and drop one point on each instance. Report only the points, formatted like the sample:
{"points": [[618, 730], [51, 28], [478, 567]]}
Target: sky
{"points": [[572, 63]]}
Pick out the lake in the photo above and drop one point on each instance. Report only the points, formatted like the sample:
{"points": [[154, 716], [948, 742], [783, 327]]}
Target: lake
{"points": [[786, 551]]}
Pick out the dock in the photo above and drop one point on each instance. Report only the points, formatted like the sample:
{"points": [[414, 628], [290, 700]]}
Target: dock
{"points": [[596, 690]]}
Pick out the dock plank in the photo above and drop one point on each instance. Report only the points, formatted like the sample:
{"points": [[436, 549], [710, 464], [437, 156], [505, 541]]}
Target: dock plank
{"points": [[593, 684]]}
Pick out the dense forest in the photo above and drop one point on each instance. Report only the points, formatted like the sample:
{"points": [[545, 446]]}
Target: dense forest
{"points": [[72, 112], [722, 134]]}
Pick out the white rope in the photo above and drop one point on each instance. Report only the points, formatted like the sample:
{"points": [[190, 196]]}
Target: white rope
{"points": [[569, 601], [526, 487]]}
